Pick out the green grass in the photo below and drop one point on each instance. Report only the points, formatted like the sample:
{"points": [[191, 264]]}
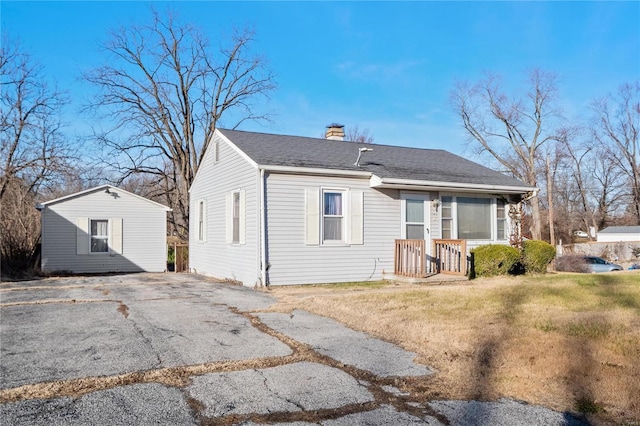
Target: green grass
{"points": [[589, 328], [588, 406], [546, 326], [356, 285]]}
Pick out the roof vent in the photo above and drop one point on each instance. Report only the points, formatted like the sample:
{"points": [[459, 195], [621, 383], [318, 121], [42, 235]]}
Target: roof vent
{"points": [[360, 151], [335, 132]]}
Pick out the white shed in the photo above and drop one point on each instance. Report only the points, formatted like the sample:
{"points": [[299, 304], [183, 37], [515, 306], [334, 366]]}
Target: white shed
{"points": [[614, 234], [103, 229]]}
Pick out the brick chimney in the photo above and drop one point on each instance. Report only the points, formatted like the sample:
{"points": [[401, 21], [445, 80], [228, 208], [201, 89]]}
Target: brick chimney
{"points": [[335, 132]]}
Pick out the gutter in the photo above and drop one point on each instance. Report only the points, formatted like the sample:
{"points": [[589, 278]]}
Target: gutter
{"points": [[315, 171], [531, 195], [377, 182]]}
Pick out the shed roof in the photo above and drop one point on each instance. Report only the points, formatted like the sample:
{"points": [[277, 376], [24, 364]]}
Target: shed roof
{"points": [[621, 230], [97, 189], [384, 161]]}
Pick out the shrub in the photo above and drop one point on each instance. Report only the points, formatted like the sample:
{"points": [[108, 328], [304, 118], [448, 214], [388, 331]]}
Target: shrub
{"points": [[536, 256], [494, 259], [571, 263]]}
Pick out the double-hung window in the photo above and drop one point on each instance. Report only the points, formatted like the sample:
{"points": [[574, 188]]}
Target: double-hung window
{"points": [[447, 217], [99, 236], [333, 216], [202, 217], [501, 219], [236, 217]]}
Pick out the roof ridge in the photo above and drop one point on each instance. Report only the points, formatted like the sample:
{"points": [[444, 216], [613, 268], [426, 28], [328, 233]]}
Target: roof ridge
{"points": [[337, 141]]}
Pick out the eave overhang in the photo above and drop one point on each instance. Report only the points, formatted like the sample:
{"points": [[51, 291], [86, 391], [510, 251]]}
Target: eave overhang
{"points": [[426, 185], [295, 170]]}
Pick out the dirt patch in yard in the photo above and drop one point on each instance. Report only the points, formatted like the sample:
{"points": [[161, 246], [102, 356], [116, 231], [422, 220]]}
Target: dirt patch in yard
{"points": [[569, 342]]}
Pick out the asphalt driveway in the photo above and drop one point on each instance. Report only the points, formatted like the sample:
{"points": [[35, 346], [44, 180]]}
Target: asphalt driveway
{"points": [[181, 349]]}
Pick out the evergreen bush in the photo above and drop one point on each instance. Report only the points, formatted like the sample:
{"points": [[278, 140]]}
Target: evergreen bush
{"points": [[494, 259], [536, 256]]}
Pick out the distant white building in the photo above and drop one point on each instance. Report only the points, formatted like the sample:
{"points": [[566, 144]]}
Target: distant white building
{"points": [[614, 234], [103, 229]]}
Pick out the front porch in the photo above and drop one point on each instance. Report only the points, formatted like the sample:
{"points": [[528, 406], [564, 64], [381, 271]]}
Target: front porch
{"points": [[447, 257]]}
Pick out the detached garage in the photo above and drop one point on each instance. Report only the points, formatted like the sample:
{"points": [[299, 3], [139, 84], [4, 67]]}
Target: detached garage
{"points": [[103, 229]]}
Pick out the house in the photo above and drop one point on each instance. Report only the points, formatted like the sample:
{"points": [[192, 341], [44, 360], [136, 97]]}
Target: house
{"points": [[614, 234], [279, 210], [103, 229]]}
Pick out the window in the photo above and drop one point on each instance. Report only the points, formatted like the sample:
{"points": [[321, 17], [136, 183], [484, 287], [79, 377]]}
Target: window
{"points": [[236, 217], [332, 217], [99, 236], [201, 219], [414, 219], [501, 219], [447, 217], [215, 147], [473, 218]]}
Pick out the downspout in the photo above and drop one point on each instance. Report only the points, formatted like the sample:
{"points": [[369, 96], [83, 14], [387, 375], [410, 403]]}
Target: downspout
{"points": [[263, 230]]}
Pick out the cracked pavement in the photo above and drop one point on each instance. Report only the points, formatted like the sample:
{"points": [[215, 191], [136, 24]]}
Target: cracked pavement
{"points": [[182, 349]]}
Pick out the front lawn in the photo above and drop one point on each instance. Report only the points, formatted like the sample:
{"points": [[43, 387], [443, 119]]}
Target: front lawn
{"points": [[567, 341]]}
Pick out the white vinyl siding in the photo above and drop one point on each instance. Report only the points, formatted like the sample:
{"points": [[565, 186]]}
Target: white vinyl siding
{"points": [[296, 255], [82, 234], [312, 216], [136, 234], [218, 255]]}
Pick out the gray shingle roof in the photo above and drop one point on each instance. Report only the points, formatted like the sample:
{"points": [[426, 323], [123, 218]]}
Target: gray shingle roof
{"points": [[621, 230], [384, 161]]}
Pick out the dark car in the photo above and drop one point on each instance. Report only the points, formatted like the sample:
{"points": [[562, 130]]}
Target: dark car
{"points": [[598, 264]]}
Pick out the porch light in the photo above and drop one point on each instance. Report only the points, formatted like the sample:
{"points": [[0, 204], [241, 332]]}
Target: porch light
{"points": [[436, 203]]}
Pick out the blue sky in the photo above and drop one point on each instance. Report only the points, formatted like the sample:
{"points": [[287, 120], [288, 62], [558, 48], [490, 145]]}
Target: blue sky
{"points": [[384, 66]]}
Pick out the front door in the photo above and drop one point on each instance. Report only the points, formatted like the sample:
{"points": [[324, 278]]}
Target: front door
{"points": [[415, 220]]}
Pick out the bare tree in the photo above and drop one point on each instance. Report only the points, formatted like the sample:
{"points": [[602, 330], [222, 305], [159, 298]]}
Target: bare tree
{"points": [[615, 128], [33, 151], [32, 148], [354, 134], [512, 129], [594, 186], [165, 90]]}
